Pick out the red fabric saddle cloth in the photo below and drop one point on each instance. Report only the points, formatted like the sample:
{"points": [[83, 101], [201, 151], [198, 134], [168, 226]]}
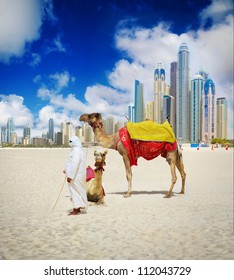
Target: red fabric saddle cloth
{"points": [[146, 149], [90, 174]]}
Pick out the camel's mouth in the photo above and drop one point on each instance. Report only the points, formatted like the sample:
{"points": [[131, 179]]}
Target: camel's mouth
{"points": [[83, 118]]}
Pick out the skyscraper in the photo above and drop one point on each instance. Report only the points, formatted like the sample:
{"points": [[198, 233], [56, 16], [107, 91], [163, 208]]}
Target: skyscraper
{"points": [[10, 129], [173, 72], [88, 132], [221, 118], [182, 95], [131, 113], [159, 91], [169, 109], [27, 135], [139, 102], [109, 125], [149, 110], [51, 130], [208, 111], [63, 130], [78, 132], [3, 134], [59, 138], [197, 86], [69, 132]]}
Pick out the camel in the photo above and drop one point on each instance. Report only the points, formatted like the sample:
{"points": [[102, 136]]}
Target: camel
{"points": [[174, 157], [94, 187]]}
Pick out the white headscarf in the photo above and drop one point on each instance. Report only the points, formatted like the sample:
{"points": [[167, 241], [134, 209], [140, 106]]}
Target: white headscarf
{"points": [[74, 141]]}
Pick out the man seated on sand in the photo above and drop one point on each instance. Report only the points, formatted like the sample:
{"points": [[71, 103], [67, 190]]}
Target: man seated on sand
{"points": [[75, 170]]}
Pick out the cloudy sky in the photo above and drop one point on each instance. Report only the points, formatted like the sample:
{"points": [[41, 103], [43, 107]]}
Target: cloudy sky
{"points": [[59, 59]]}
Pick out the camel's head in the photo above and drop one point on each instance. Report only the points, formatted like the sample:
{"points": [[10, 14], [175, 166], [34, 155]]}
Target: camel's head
{"points": [[100, 158], [94, 119]]}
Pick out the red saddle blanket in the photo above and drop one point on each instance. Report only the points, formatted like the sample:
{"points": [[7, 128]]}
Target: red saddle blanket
{"points": [[90, 174], [146, 149]]}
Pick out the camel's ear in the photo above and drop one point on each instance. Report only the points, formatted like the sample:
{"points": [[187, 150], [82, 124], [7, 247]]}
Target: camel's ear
{"points": [[98, 116], [95, 152], [84, 118], [106, 151]]}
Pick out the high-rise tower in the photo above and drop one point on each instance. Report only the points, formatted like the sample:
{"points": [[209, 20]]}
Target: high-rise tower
{"points": [[149, 110], [109, 125], [131, 113], [182, 95], [10, 129], [197, 86], [221, 118], [169, 109], [3, 134], [63, 130], [27, 135], [208, 111], [51, 130], [159, 91], [139, 102], [173, 71]]}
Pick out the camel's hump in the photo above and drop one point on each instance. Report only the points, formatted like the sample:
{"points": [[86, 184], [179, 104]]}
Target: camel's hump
{"points": [[151, 131]]}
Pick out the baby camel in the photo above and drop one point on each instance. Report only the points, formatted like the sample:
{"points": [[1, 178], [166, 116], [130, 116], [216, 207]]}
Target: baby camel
{"points": [[94, 187]]}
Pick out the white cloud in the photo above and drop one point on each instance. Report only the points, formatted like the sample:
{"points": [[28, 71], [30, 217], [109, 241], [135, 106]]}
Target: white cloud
{"points": [[20, 23], [37, 79], [46, 113], [51, 111], [36, 59], [217, 11], [123, 78], [56, 46], [44, 93], [147, 46], [12, 106], [69, 103], [107, 100], [62, 80]]}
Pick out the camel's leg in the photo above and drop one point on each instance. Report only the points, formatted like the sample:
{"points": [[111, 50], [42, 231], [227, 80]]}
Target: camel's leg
{"points": [[171, 162], [180, 167], [101, 201], [128, 174]]}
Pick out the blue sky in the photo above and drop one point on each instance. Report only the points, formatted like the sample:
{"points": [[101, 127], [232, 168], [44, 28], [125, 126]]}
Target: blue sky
{"points": [[60, 58]]}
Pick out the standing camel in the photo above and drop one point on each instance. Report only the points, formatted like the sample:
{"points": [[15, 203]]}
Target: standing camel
{"points": [[94, 187], [174, 157]]}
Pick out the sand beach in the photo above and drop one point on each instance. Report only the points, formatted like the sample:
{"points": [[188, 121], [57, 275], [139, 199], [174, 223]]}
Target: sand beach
{"points": [[197, 225]]}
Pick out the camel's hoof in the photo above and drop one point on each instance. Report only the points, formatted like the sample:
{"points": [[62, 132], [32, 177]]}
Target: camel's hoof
{"points": [[181, 192], [168, 195], [126, 195]]}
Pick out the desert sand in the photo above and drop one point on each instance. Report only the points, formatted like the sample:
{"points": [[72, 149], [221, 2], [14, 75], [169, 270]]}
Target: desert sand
{"points": [[197, 225]]}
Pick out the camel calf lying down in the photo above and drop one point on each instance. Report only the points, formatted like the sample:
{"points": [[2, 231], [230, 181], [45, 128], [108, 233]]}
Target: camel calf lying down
{"points": [[94, 187]]}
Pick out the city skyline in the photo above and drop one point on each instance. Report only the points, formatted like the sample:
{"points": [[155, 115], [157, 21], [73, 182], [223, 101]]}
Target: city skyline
{"points": [[79, 58], [200, 116]]}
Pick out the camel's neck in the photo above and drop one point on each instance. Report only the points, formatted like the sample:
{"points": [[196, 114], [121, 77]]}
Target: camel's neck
{"points": [[107, 141], [98, 178]]}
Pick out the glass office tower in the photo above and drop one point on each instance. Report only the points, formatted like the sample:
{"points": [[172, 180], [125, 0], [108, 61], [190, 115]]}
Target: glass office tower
{"points": [[182, 95]]}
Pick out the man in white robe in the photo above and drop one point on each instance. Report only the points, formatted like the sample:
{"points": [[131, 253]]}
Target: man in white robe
{"points": [[75, 170]]}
